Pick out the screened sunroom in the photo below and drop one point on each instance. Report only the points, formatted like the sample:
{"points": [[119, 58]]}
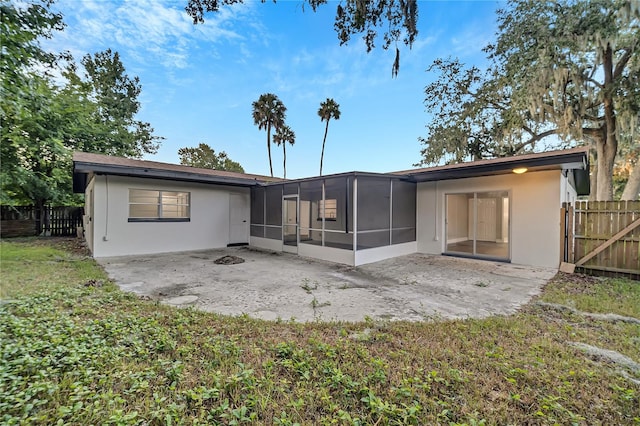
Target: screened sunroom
{"points": [[353, 218]]}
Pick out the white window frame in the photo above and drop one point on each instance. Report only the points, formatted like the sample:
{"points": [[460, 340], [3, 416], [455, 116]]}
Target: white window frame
{"points": [[328, 206], [159, 217]]}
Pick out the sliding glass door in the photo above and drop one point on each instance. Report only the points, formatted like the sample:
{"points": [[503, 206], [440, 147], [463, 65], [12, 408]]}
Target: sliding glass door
{"points": [[477, 224]]}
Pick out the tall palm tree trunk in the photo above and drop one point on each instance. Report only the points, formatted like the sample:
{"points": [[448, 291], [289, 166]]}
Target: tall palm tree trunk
{"points": [[326, 129], [269, 147], [284, 165]]}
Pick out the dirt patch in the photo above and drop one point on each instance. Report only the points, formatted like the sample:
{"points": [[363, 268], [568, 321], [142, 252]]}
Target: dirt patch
{"points": [[575, 283], [75, 246], [228, 260], [94, 283]]}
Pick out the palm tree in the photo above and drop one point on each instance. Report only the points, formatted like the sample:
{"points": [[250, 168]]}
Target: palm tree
{"points": [[328, 109], [268, 112], [284, 135]]}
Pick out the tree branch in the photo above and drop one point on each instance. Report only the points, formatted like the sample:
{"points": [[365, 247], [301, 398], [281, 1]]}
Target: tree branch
{"points": [[624, 60], [535, 138]]}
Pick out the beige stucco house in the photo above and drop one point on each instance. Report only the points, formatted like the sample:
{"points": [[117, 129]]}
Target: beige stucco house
{"points": [[505, 209]]}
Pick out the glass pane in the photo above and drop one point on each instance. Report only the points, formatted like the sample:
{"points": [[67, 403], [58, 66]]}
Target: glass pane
{"points": [[183, 197], [289, 236], [327, 209], [170, 197], [257, 206], [175, 198], [290, 206], [143, 210], [459, 223], [273, 232], [373, 239], [373, 203], [143, 196], [492, 224], [169, 211], [274, 205], [404, 204]]}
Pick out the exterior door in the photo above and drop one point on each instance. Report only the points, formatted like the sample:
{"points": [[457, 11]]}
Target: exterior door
{"points": [[238, 219], [485, 219], [477, 224], [290, 223]]}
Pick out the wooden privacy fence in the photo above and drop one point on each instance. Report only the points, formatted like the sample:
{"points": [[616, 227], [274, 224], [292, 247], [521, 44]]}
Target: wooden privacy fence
{"points": [[602, 237], [24, 221]]}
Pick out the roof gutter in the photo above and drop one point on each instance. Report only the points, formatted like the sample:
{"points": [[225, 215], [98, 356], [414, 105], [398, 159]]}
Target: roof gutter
{"points": [[80, 167], [570, 161]]}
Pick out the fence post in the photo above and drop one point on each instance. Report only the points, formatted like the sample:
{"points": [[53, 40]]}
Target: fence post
{"points": [[570, 227]]}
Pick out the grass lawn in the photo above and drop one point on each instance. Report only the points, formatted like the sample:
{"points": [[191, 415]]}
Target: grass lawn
{"points": [[74, 349]]}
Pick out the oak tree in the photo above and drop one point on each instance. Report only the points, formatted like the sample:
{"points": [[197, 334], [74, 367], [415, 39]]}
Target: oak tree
{"points": [[562, 73], [205, 157]]}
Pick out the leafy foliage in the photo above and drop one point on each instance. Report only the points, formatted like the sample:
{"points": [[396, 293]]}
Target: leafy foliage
{"points": [[566, 69], [269, 113], [398, 17], [74, 353], [206, 157], [114, 96], [44, 120], [328, 109], [283, 136], [30, 142]]}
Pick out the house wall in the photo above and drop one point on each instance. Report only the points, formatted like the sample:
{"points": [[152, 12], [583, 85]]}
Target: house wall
{"points": [[113, 235], [534, 212], [568, 193], [371, 255], [88, 217], [329, 254], [265, 243]]}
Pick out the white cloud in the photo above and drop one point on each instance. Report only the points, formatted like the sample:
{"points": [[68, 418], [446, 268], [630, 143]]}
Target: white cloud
{"points": [[146, 30]]}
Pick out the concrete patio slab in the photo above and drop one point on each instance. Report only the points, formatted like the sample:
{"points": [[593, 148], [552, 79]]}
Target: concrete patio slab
{"points": [[283, 286]]}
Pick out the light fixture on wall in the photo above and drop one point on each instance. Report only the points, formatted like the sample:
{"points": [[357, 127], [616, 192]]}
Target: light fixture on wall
{"points": [[520, 170]]}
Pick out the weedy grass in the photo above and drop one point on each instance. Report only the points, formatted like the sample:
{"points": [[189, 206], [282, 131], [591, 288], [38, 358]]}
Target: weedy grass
{"points": [[72, 353], [596, 295]]}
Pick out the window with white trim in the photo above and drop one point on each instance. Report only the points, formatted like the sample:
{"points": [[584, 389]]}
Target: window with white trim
{"points": [[165, 206], [328, 209]]}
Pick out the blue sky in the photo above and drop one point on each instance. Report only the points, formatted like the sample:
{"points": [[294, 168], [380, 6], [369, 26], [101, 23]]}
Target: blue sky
{"points": [[199, 81]]}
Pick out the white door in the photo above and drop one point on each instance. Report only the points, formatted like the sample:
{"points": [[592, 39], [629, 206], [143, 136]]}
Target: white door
{"points": [[239, 218]]}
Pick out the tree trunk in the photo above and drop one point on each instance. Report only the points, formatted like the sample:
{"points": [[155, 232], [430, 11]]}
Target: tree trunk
{"points": [[605, 161], [326, 129], [632, 188], [43, 221], [607, 143], [593, 175], [284, 163], [269, 147]]}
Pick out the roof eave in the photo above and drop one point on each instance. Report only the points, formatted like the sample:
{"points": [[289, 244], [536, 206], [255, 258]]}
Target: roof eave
{"points": [[565, 161], [80, 167]]}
